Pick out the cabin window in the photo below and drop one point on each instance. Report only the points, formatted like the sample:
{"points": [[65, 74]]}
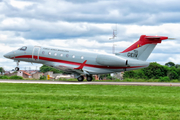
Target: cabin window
{"points": [[49, 53], [82, 57], [23, 48], [61, 54], [43, 52], [67, 55], [73, 56], [55, 54]]}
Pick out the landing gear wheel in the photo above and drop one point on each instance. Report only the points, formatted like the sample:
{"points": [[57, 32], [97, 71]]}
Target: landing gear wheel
{"points": [[80, 79], [89, 78], [17, 69]]}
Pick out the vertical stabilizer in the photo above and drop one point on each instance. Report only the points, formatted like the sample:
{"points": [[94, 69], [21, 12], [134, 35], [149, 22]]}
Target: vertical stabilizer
{"points": [[142, 48]]}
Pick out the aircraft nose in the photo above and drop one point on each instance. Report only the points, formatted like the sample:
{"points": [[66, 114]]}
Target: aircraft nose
{"points": [[7, 55]]}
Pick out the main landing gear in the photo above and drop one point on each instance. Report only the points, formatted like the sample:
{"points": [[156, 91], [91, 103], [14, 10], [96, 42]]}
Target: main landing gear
{"points": [[88, 77], [80, 79]]}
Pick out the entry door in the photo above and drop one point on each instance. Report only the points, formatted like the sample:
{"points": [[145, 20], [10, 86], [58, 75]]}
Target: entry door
{"points": [[35, 53], [14, 53]]}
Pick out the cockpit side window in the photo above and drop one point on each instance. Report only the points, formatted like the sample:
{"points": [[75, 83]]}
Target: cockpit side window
{"points": [[23, 48]]}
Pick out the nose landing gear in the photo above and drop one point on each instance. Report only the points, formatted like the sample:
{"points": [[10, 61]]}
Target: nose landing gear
{"points": [[17, 68]]}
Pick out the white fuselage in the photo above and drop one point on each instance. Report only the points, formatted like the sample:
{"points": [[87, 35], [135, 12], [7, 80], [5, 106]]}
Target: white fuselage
{"points": [[66, 60]]}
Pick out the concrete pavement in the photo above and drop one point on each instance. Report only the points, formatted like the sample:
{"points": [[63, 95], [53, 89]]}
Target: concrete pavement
{"points": [[93, 83]]}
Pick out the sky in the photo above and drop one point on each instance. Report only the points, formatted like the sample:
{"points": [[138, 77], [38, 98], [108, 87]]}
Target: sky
{"points": [[87, 25]]}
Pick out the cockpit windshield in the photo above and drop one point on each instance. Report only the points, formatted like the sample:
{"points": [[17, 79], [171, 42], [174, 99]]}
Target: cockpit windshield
{"points": [[23, 48]]}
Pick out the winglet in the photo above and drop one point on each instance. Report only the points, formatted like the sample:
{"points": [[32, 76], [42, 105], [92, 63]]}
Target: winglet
{"points": [[81, 66]]}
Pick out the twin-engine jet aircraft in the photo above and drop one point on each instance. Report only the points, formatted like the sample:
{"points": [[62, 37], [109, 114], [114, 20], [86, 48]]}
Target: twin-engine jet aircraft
{"points": [[88, 63]]}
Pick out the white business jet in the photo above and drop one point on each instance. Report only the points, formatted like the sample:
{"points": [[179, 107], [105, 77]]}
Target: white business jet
{"points": [[82, 63]]}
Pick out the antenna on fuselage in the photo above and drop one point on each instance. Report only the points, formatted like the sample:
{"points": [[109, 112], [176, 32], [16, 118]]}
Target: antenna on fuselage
{"points": [[114, 35]]}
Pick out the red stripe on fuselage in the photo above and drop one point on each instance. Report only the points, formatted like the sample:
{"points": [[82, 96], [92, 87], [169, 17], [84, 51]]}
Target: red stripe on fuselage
{"points": [[75, 63]]}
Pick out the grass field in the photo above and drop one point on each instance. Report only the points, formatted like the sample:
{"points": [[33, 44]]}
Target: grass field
{"points": [[59, 102]]}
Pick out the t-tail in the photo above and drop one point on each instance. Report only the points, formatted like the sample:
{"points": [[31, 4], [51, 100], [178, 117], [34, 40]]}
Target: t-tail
{"points": [[143, 47]]}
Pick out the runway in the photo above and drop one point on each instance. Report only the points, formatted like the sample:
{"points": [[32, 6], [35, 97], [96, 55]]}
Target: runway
{"points": [[92, 83]]}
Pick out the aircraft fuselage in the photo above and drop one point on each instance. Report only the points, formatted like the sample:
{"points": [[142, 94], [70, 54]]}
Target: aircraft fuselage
{"points": [[97, 63]]}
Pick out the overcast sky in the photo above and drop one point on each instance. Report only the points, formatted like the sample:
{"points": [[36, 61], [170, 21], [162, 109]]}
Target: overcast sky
{"points": [[88, 25]]}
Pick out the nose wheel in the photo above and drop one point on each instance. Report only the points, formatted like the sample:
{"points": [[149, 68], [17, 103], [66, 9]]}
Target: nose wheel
{"points": [[17, 68]]}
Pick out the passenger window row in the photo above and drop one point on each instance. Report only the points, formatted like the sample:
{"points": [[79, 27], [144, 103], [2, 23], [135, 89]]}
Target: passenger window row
{"points": [[55, 54]]}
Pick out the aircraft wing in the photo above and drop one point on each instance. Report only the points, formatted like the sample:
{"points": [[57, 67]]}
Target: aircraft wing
{"points": [[68, 68]]}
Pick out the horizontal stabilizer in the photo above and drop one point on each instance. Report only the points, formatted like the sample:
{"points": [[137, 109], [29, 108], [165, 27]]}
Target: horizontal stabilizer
{"points": [[156, 37]]}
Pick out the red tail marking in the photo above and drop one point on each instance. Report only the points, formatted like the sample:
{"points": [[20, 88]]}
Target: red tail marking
{"points": [[145, 40]]}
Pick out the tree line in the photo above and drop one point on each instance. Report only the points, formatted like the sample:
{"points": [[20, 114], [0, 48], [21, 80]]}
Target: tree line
{"points": [[45, 68], [166, 72]]}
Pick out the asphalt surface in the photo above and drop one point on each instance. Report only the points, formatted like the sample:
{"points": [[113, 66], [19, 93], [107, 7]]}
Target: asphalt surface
{"points": [[93, 83]]}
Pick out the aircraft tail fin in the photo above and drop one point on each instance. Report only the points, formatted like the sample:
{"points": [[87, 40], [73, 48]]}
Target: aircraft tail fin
{"points": [[143, 47]]}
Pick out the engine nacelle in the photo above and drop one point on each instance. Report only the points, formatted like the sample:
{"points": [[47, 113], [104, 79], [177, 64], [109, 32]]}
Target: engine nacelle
{"points": [[134, 62], [111, 60]]}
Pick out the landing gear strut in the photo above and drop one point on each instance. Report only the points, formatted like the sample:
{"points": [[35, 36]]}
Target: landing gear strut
{"points": [[17, 68], [89, 78], [80, 79]]}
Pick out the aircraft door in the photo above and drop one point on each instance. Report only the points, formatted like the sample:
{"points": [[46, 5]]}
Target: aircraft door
{"points": [[14, 53], [35, 53]]}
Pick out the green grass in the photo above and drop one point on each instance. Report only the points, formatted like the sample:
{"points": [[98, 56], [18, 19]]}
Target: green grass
{"points": [[59, 102]]}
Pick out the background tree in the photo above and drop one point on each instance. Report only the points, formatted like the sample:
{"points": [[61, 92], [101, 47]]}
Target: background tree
{"points": [[107, 76], [2, 70], [129, 74], [178, 71], [139, 73], [155, 71], [173, 73], [46, 68], [170, 64], [177, 66]]}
